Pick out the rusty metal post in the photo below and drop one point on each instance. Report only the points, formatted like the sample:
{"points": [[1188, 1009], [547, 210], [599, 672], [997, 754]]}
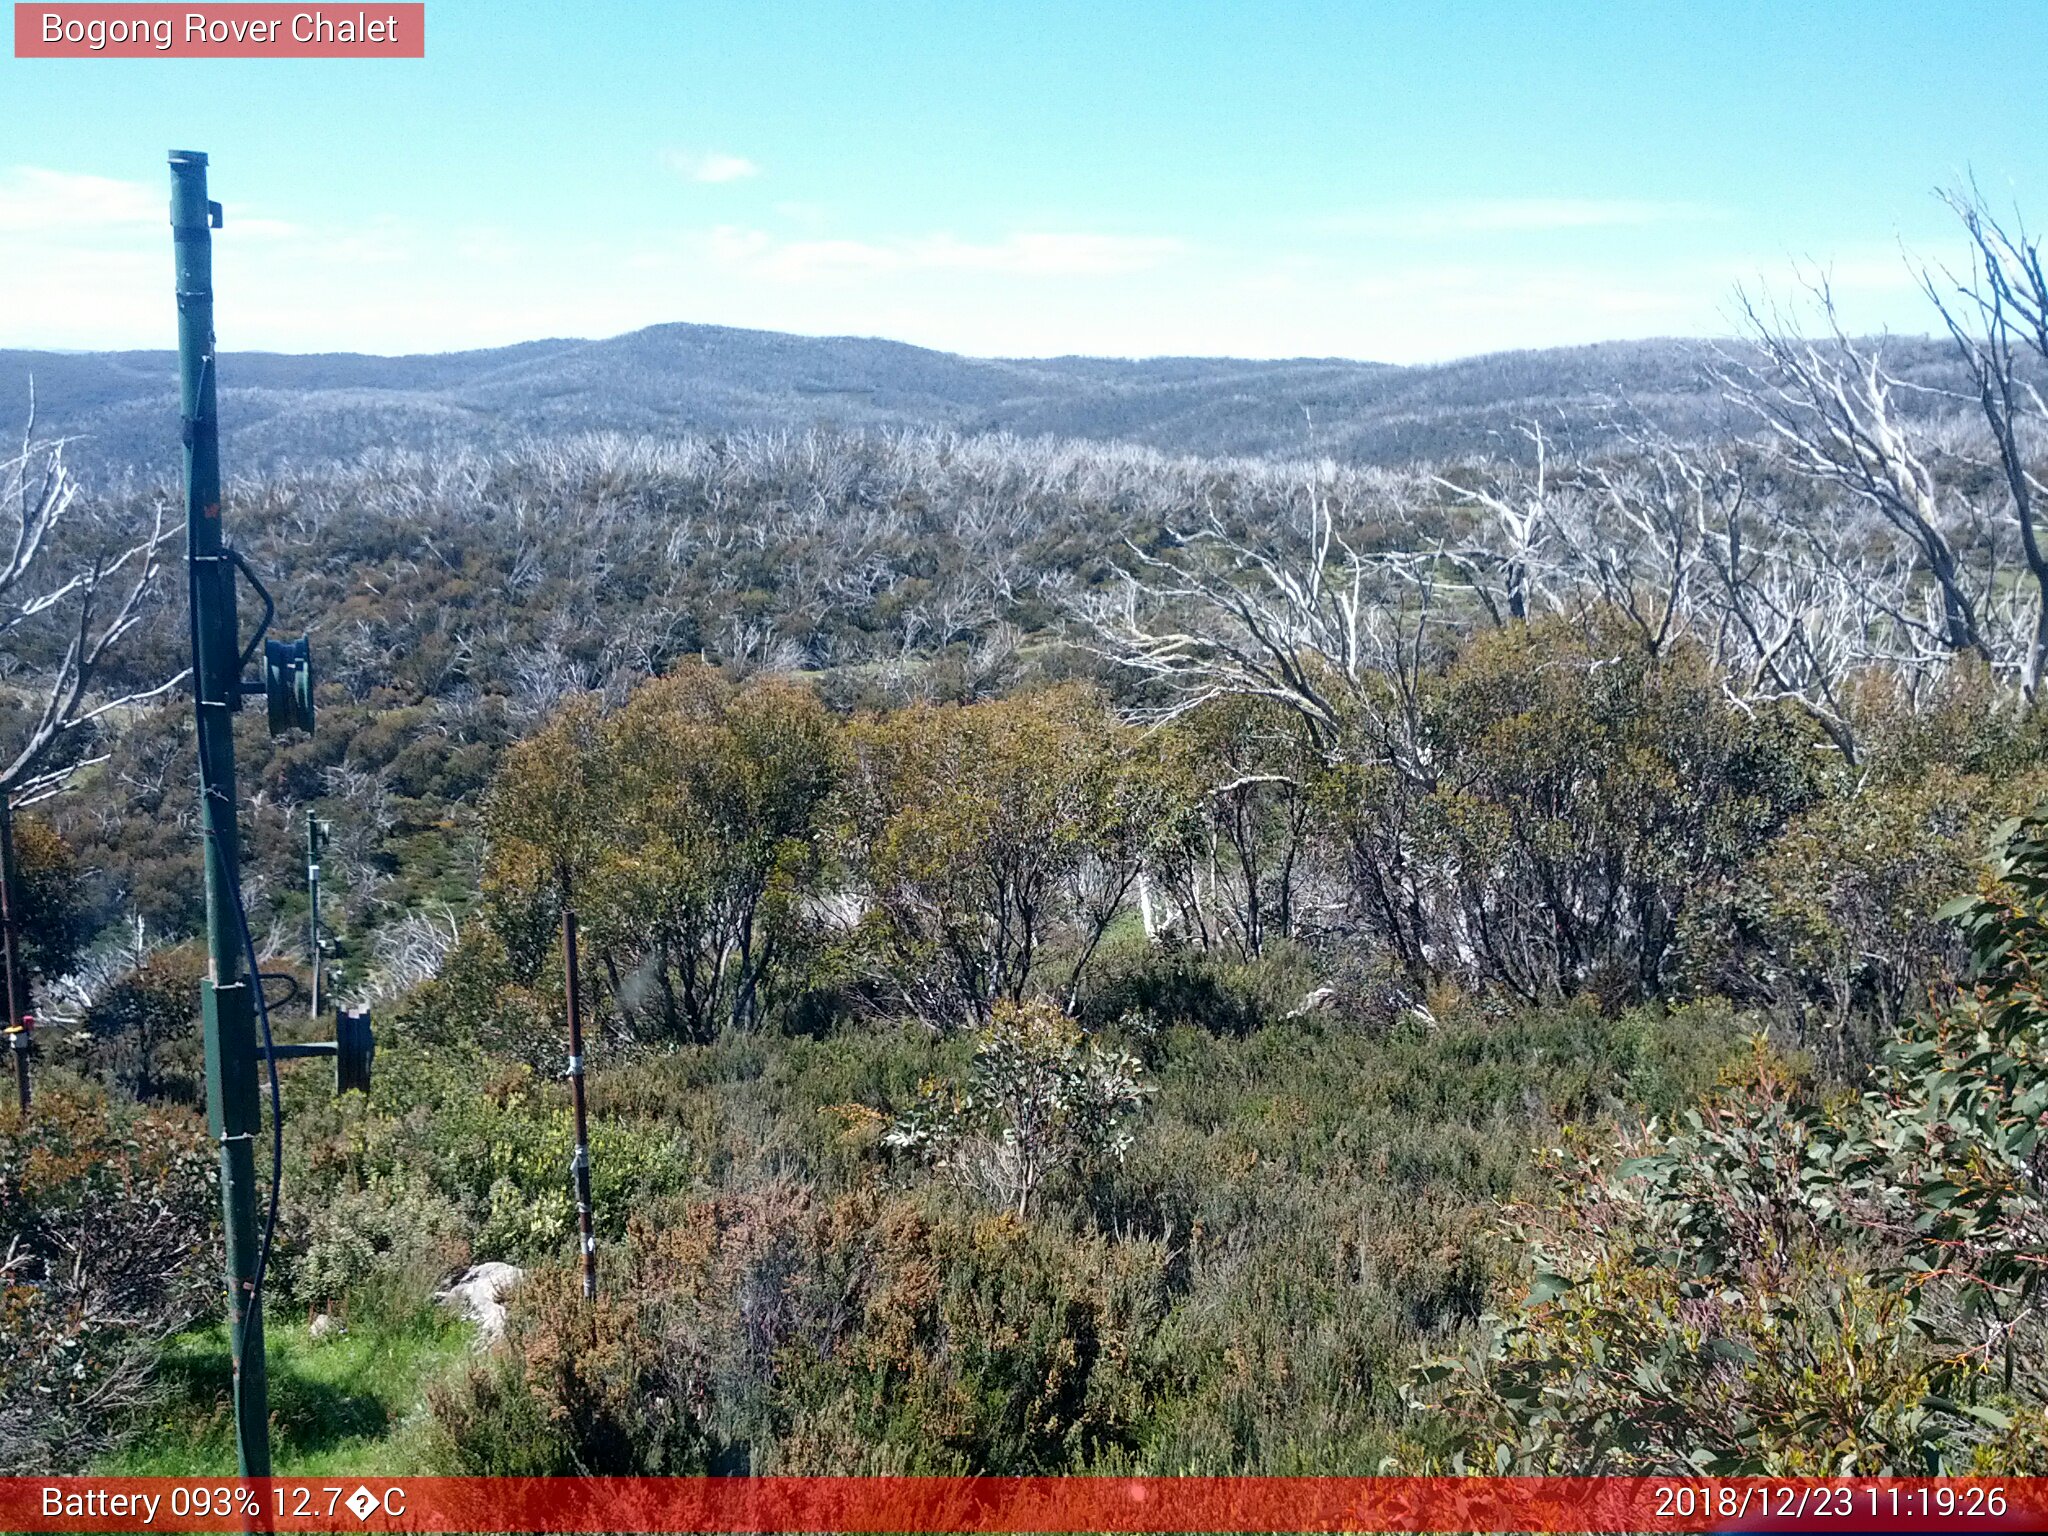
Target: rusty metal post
{"points": [[16, 978], [316, 839], [579, 1164]]}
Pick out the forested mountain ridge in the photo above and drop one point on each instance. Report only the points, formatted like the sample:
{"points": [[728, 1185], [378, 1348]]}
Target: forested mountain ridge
{"points": [[282, 408]]}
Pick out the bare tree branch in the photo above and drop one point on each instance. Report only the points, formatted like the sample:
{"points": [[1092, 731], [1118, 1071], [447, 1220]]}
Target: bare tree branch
{"points": [[63, 556]]}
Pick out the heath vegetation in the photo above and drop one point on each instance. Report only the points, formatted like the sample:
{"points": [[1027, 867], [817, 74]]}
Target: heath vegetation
{"points": [[1096, 960]]}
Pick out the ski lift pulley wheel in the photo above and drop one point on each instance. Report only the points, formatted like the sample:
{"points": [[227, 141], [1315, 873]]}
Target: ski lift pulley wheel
{"points": [[354, 1048], [288, 684]]}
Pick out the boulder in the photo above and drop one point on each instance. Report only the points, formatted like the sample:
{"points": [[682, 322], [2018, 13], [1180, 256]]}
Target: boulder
{"points": [[480, 1296]]}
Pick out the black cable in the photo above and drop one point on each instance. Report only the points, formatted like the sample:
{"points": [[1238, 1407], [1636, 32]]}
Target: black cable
{"points": [[255, 980], [276, 1099]]}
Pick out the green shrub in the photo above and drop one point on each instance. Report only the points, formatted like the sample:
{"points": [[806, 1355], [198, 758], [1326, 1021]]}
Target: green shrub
{"points": [[987, 838], [969, 1343], [773, 1331], [1834, 926], [139, 1032], [576, 1387], [1175, 983], [1582, 789], [105, 1216], [452, 1155], [383, 1245], [1042, 1105], [1793, 1284], [55, 919], [502, 1157]]}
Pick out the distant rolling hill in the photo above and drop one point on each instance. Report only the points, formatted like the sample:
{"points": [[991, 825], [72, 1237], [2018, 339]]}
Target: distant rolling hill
{"points": [[278, 408]]}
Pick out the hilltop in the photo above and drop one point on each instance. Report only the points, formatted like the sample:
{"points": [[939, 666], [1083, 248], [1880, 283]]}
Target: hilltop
{"points": [[279, 408]]}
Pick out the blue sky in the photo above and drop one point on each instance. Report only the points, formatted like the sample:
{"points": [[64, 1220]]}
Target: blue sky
{"points": [[1394, 181]]}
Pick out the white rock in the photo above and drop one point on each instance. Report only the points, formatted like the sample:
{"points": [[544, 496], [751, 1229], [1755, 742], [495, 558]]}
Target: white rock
{"points": [[1318, 999], [480, 1296]]}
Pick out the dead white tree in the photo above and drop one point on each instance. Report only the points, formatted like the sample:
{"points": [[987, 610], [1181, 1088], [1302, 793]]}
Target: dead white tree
{"points": [[1302, 617], [409, 951], [1506, 557], [1631, 534], [1830, 407], [1795, 612], [1997, 316], [73, 581]]}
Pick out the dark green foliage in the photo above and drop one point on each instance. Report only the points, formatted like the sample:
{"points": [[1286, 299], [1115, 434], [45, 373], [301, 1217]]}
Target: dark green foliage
{"points": [[1231, 850], [452, 1152], [1178, 983], [139, 1031], [1795, 1282], [1583, 793], [986, 838], [604, 1389], [55, 923], [1042, 1107], [1511, 890], [1835, 926]]}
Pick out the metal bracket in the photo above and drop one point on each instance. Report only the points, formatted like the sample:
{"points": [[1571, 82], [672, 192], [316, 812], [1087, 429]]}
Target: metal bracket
{"points": [[300, 1052], [351, 1051], [241, 563]]}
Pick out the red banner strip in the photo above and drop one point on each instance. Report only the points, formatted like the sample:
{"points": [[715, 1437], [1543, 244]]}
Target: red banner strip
{"points": [[370, 30], [1027, 1504]]}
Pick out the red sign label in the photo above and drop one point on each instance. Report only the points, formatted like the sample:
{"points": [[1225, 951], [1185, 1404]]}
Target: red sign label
{"points": [[240, 31], [987, 1506]]}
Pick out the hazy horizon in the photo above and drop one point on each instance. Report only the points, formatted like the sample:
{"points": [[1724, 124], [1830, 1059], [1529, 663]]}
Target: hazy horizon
{"points": [[978, 357], [1043, 180]]}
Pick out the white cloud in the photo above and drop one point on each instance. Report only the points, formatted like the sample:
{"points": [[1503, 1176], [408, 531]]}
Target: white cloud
{"points": [[1021, 255], [1042, 254], [713, 168], [89, 256], [1515, 215], [33, 200]]}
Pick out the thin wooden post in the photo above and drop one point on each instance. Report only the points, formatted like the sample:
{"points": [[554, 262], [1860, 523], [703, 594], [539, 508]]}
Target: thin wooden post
{"points": [[579, 1164], [19, 1018]]}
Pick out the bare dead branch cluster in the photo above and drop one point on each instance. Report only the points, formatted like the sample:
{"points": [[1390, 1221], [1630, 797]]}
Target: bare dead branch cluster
{"points": [[1871, 528], [68, 570]]}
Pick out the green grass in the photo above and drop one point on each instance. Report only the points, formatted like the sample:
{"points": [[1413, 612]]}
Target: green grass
{"points": [[354, 1404]]}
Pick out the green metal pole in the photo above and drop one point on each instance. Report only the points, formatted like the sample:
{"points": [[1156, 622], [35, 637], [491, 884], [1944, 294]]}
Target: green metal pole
{"points": [[227, 1010]]}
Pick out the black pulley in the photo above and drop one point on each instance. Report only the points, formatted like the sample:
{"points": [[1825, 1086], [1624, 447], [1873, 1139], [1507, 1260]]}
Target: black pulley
{"points": [[354, 1046], [288, 684]]}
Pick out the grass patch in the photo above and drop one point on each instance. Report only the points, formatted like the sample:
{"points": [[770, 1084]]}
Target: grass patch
{"points": [[349, 1405]]}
